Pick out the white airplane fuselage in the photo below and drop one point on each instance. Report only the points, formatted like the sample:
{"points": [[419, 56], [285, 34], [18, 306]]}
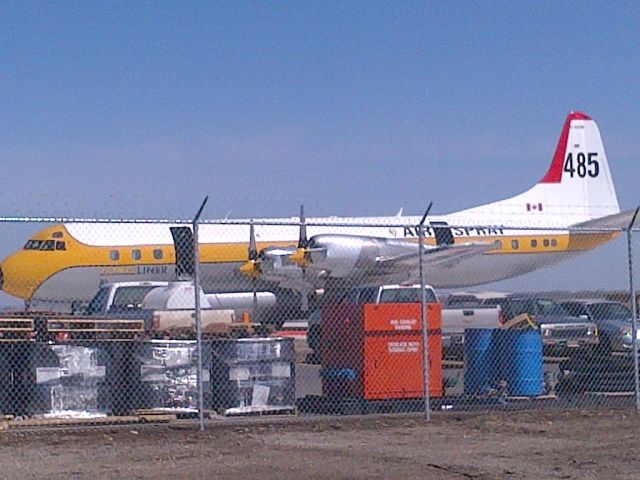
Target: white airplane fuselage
{"points": [[540, 227]]}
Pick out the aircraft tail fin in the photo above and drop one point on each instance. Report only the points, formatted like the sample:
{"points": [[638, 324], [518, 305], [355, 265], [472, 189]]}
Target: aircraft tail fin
{"points": [[577, 187]]}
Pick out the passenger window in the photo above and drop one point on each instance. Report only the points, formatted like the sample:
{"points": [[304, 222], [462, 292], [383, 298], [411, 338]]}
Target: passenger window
{"points": [[136, 254], [157, 254], [514, 244], [61, 245], [534, 243], [546, 242], [554, 242], [114, 255]]}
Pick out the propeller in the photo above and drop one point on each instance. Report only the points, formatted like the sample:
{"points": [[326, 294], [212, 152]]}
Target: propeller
{"points": [[303, 242], [251, 267], [301, 256]]}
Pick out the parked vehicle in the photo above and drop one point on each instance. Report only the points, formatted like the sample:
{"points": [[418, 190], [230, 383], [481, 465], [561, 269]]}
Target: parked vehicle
{"points": [[461, 311], [612, 318], [561, 332], [118, 297], [454, 319], [138, 300]]}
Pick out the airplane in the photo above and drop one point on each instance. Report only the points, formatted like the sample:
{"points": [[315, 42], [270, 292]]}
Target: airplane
{"points": [[555, 219]]}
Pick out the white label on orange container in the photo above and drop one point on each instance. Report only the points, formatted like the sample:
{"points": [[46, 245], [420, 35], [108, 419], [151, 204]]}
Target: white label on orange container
{"points": [[403, 347], [403, 323]]}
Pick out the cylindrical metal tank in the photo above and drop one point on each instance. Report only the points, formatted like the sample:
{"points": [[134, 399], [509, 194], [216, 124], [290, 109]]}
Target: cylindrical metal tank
{"points": [[520, 361], [480, 372]]}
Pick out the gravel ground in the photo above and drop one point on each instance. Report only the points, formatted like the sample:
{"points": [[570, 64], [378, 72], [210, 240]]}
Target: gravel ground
{"points": [[582, 444]]}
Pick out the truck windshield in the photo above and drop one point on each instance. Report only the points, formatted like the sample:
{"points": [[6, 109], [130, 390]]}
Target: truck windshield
{"points": [[130, 298], [406, 295], [550, 308], [463, 301], [534, 306], [610, 311], [518, 306]]}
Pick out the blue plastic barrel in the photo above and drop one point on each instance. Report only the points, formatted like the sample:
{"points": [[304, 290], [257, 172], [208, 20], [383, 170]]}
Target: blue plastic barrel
{"points": [[479, 361], [519, 361]]}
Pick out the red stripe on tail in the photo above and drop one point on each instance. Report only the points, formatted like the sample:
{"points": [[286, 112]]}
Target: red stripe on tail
{"points": [[554, 174]]}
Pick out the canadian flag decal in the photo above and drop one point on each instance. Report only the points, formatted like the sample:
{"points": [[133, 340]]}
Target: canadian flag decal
{"points": [[534, 207]]}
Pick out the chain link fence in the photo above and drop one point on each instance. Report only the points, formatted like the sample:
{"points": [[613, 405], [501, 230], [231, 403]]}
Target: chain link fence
{"points": [[127, 321]]}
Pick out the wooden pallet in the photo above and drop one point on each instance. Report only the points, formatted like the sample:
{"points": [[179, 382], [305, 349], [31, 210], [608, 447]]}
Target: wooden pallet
{"points": [[175, 413], [536, 397], [16, 329], [261, 412], [611, 394], [44, 423], [80, 328], [31, 423], [228, 330], [157, 417]]}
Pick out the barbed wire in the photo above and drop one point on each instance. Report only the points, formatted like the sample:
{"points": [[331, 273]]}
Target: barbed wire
{"points": [[364, 222]]}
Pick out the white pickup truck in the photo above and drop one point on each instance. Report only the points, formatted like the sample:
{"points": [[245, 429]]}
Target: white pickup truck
{"points": [[454, 318], [165, 305], [118, 297]]}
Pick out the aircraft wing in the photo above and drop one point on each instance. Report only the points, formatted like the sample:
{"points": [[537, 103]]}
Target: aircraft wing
{"points": [[441, 256], [616, 221]]}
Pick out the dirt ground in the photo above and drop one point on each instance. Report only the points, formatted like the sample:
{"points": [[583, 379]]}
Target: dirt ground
{"points": [[526, 445]]}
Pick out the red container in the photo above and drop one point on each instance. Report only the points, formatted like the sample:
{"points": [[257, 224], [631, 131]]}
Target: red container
{"points": [[374, 352]]}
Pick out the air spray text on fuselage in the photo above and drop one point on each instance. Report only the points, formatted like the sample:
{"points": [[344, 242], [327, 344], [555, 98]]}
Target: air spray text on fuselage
{"points": [[456, 231]]}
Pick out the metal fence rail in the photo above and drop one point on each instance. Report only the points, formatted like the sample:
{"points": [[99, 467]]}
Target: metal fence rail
{"points": [[143, 320]]}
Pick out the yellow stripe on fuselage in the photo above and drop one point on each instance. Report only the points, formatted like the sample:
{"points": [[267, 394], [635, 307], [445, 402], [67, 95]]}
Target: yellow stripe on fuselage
{"points": [[26, 270]]}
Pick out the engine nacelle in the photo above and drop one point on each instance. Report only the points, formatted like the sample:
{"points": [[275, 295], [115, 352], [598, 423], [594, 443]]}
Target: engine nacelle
{"points": [[332, 256], [338, 255], [276, 264]]}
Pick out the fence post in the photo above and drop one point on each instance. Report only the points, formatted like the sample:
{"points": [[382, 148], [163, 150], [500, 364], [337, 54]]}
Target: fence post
{"points": [[198, 315], [424, 317], [634, 315]]}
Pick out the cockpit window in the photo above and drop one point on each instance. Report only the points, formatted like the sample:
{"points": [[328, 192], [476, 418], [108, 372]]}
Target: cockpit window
{"points": [[61, 245], [48, 245], [33, 245]]}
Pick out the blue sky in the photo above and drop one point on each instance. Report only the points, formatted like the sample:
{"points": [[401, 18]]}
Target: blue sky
{"points": [[125, 109]]}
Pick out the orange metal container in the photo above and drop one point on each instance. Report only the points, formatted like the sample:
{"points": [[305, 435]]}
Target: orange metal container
{"points": [[382, 346]]}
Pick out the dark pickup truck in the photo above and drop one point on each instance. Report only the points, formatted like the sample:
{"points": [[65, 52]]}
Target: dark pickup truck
{"points": [[612, 318], [561, 332]]}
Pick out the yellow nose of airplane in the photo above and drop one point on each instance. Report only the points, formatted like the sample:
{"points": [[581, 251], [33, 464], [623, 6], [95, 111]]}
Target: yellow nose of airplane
{"points": [[19, 276]]}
